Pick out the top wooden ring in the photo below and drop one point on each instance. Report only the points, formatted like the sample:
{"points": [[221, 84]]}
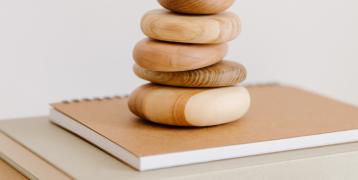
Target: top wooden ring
{"points": [[196, 6], [211, 29]]}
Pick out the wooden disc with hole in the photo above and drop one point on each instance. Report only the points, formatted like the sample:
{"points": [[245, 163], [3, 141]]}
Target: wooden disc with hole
{"points": [[196, 6], [167, 57], [167, 26], [224, 73], [189, 106]]}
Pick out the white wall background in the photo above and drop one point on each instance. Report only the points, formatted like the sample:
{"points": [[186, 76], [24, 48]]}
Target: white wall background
{"points": [[53, 50]]}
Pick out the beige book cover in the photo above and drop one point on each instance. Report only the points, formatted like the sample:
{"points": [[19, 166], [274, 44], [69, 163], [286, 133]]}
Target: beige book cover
{"points": [[27, 162], [280, 118]]}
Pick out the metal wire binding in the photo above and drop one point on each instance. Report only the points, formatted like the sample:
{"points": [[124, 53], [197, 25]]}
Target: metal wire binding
{"points": [[94, 99]]}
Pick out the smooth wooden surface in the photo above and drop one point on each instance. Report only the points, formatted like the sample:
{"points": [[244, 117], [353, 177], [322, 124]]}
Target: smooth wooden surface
{"points": [[189, 106], [167, 26], [224, 73], [197, 6], [167, 57]]}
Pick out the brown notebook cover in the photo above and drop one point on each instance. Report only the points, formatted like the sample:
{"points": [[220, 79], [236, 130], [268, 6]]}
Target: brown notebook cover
{"points": [[280, 118]]}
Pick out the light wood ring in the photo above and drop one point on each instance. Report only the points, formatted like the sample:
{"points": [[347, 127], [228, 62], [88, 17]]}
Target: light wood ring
{"points": [[168, 57], [189, 106], [166, 26]]}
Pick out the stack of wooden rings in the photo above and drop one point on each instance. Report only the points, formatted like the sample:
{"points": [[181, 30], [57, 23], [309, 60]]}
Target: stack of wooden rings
{"points": [[183, 58]]}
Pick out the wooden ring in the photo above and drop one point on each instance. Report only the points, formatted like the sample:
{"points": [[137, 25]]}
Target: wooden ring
{"points": [[196, 6], [166, 26], [224, 73], [168, 57], [189, 106]]}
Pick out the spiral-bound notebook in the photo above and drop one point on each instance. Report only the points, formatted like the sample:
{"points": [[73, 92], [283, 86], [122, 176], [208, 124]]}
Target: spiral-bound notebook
{"points": [[280, 118]]}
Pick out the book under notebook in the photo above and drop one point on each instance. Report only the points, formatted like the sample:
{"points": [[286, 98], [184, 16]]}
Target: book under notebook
{"points": [[280, 118], [24, 160]]}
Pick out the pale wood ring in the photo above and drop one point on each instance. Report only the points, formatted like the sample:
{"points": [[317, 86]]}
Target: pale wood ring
{"points": [[168, 57], [166, 26]]}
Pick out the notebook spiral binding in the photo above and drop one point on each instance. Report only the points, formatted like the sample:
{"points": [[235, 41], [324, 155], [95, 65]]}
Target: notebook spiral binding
{"points": [[94, 99], [125, 96]]}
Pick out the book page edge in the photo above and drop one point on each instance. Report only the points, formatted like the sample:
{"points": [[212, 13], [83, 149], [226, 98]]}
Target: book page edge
{"points": [[202, 155], [95, 138], [243, 150]]}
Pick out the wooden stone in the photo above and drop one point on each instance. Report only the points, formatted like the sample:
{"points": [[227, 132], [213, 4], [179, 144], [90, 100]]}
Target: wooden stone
{"points": [[163, 56], [167, 26], [224, 73], [197, 6], [189, 106]]}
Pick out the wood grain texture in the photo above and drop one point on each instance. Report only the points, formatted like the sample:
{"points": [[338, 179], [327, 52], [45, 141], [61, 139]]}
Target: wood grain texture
{"points": [[189, 106], [224, 73], [196, 6], [167, 26], [168, 57]]}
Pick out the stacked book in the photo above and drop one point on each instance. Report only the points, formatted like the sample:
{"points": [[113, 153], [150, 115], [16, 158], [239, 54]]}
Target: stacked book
{"points": [[102, 139]]}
